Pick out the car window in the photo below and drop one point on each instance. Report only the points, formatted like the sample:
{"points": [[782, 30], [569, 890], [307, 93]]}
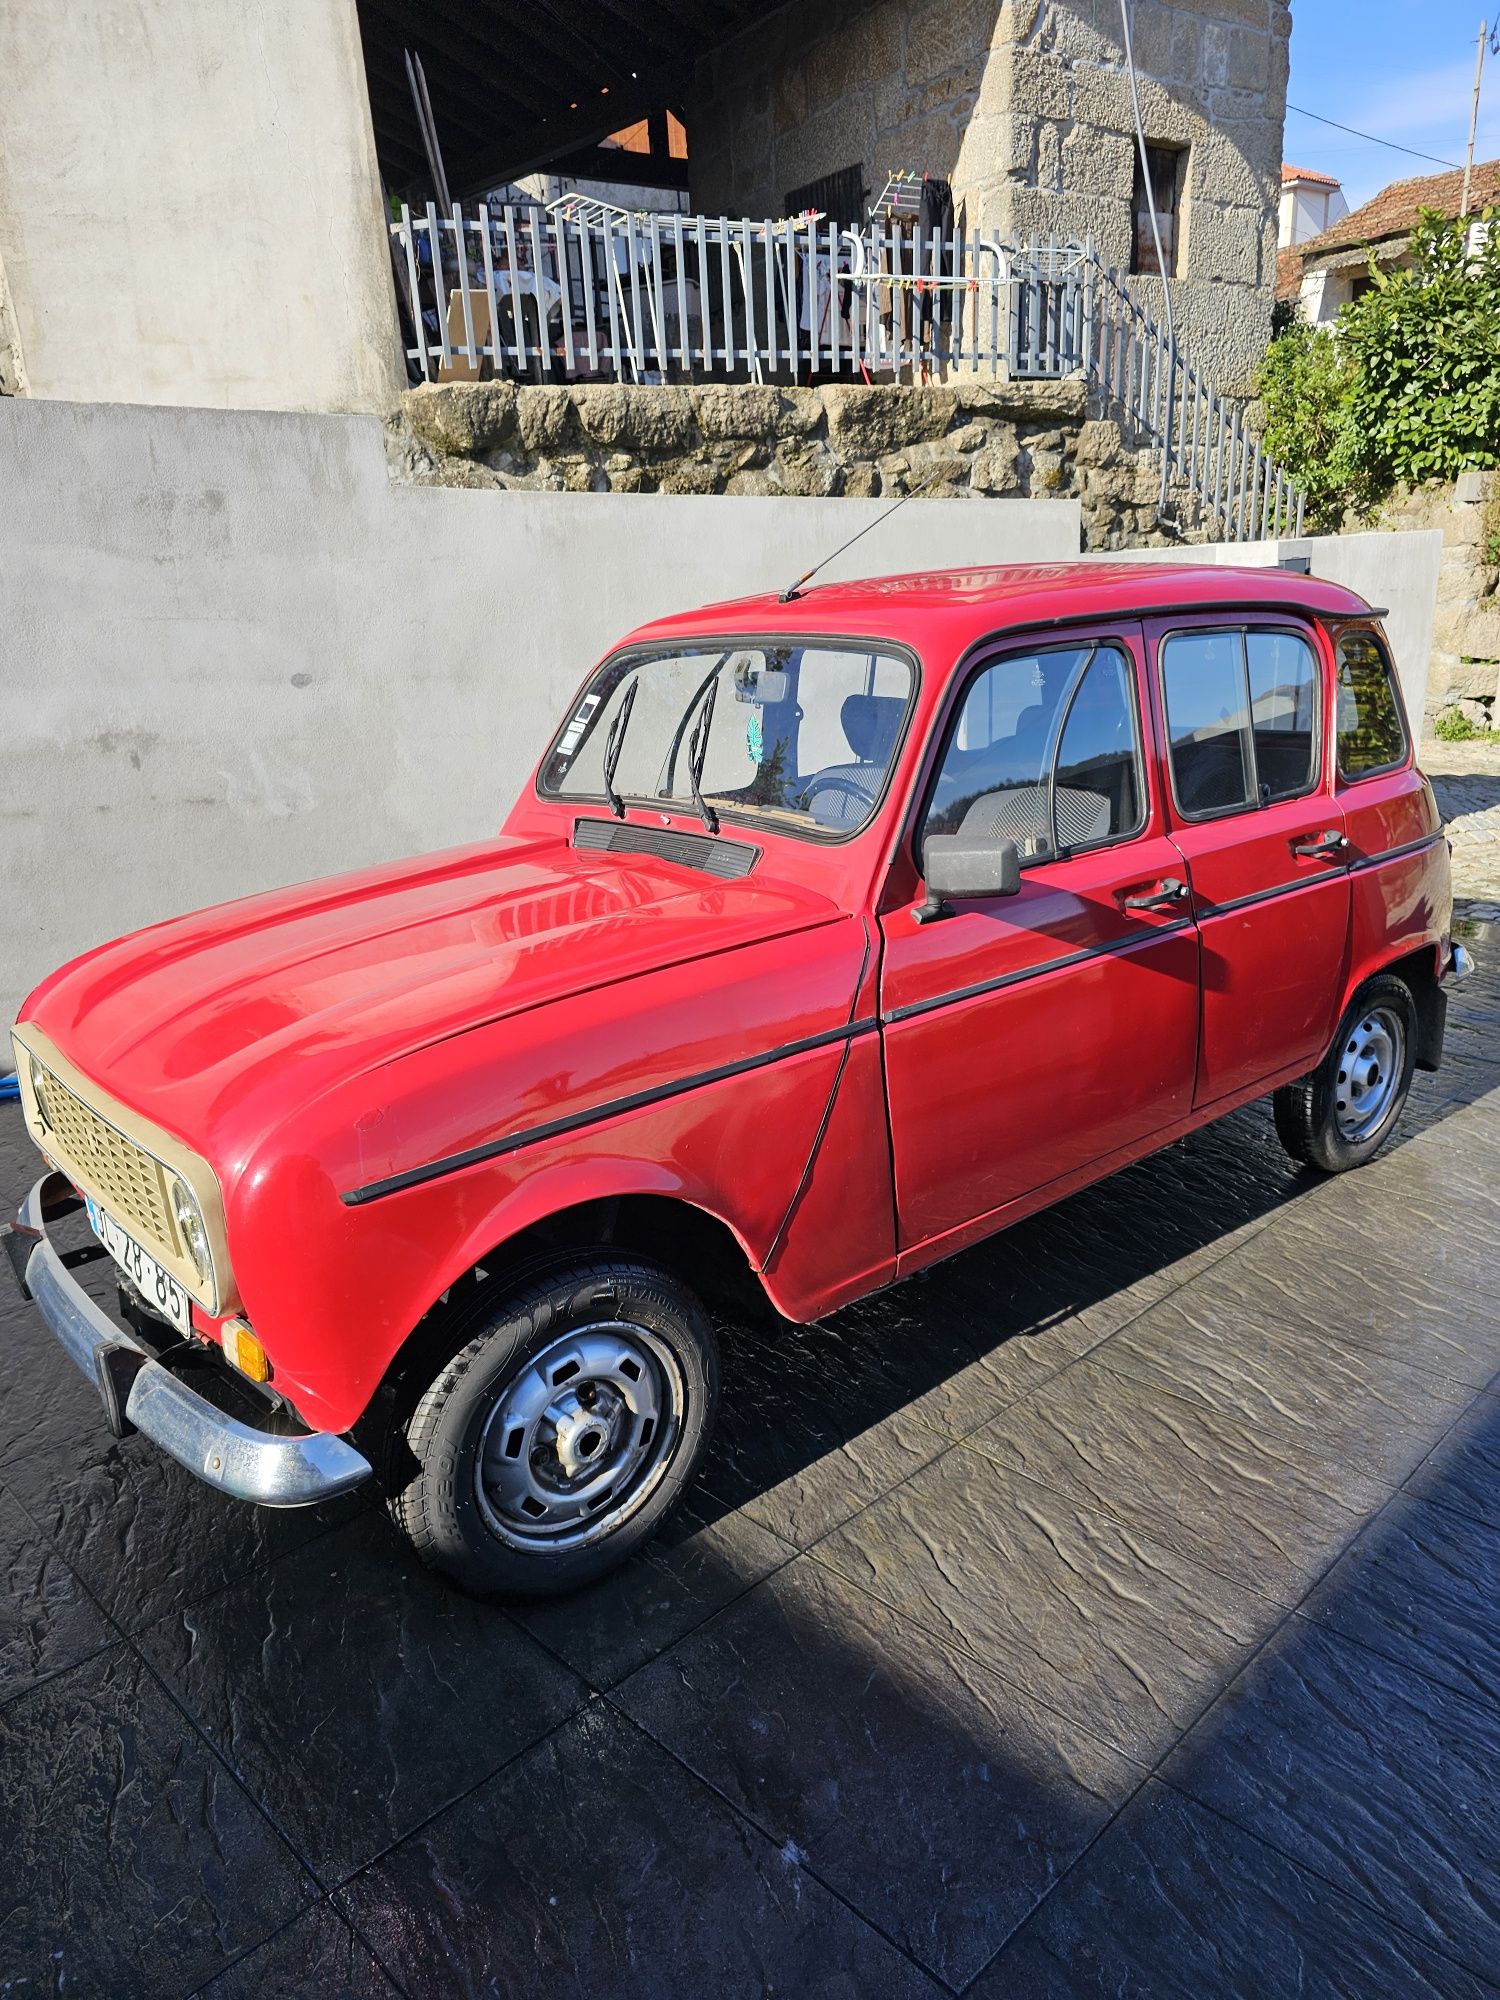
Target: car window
{"points": [[1045, 751], [799, 736], [1372, 734], [1242, 718], [1283, 673], [1208, 721]]}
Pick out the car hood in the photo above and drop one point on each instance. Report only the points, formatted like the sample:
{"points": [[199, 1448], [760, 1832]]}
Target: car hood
{"points": [[181, 1020]]}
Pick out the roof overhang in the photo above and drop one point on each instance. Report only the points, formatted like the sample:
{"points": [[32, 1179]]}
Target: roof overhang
{"points": [[519, 84]]}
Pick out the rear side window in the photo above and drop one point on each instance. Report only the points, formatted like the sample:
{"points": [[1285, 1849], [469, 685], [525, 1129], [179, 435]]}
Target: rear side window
{"points": [[1045, 751], [1372, 734], [1242, 718]]}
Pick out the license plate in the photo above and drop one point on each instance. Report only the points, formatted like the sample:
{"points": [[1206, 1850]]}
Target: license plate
{"points": [[157, 1287]]}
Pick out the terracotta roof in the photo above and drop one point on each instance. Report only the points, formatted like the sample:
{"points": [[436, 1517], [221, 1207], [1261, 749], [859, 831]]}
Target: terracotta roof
{"points": [[1393, 211], [1289, 271], [1307, 174]]}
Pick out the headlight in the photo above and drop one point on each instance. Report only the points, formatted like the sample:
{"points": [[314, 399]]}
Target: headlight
{"points": [[189, 1219], [39, 1092]]}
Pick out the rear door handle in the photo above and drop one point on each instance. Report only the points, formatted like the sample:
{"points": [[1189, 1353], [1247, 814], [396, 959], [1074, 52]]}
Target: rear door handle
{"points": [[1165, 896], [1321, 846]]}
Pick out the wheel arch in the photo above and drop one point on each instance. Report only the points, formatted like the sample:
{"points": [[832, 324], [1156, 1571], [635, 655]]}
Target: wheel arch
{"points": [[1419, 970], [661, 1225]]}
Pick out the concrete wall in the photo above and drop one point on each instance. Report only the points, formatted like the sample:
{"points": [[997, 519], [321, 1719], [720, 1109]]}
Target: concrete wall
{"points": [[190, 205], [236, 654], [1398, 573], [1025, 106]]}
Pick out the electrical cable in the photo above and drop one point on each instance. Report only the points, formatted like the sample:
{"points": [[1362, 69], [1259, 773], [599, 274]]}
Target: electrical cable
{"points": [[1354, 132]]}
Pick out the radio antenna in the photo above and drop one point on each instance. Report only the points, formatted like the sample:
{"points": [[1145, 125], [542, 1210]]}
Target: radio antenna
{"points": [[794, 590]]}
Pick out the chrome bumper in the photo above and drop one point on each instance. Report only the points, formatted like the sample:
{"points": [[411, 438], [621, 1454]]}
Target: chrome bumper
{"points": [[239, 1460]]}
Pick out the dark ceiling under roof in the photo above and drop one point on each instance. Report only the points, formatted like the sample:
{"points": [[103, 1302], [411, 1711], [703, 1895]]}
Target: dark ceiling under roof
{"points": [[516, 84]]}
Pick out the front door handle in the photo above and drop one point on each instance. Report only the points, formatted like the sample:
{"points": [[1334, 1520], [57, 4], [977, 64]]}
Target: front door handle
{"points": [[1321, 846], [1165, 896]]}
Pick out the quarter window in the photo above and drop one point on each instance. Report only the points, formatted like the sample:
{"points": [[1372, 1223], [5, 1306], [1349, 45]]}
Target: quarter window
{"points": [[1242, 718], [1372, 734], [1046, 752]]}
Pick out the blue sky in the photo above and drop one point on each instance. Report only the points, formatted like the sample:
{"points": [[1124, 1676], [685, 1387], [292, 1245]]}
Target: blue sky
{"points": [[1401, 69]]}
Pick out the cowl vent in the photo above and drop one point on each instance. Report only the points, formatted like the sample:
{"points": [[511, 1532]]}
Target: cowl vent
{"points": [[711, 854]]}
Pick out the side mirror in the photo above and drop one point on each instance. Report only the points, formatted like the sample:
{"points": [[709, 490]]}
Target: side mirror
{"points": [[958, 867]]}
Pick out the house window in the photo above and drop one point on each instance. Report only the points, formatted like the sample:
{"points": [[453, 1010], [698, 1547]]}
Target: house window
{"points": [[839, 196], [1167, 165]]}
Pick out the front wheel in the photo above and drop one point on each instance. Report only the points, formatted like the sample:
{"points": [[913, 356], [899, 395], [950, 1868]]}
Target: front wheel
{"points": [[562, 1433], [1343, 1113]]}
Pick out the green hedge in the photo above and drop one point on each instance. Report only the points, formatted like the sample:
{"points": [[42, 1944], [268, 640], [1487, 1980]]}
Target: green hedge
{"points": [[1403, 387]]}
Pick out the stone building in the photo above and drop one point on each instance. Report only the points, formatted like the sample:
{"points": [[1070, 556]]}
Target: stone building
{"points": [[1025, 107]]}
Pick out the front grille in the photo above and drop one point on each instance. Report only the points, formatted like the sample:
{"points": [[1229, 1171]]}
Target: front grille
{"points": [[129, 1183]]}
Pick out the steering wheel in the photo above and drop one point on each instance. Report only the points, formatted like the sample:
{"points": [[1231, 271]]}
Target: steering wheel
{"points": [[833, 782]]}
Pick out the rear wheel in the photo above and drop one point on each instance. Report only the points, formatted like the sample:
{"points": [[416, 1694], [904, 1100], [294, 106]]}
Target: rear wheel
{"points": [[1342, 1114], [563, 1432]]}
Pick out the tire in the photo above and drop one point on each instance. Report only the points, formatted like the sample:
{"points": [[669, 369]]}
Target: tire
{"points": [[559, 1437], [1341, 1114]]}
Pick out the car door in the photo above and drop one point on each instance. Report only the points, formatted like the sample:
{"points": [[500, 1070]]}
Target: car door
{"points": [[1244, 718], [1030, 1036]]}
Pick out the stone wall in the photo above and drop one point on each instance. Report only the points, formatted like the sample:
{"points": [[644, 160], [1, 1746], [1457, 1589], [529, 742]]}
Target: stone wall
{"points": [[1465, 670], [970, 437], [1025, 106]]}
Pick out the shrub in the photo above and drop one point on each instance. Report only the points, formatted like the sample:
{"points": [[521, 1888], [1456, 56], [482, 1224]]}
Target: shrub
{"points": [[1405, 386], [1425, 346], [1455, 727], [1306, 386]]}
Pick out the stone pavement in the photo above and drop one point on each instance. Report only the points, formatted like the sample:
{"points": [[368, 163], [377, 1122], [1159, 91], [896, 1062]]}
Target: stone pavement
{"points": [[1466, 780], [1113, 1610]]}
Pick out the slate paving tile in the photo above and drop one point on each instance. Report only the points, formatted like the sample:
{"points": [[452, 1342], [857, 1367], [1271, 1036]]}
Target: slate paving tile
{"points": [[47, 1619], [814, 1422], [1421, 1585], [142, 1532], [936, 1799], [1226, 1355], [1259, 1505], [1378, 1779], [1463, 1471], [1103, 1624], [317, 1955], [133, 1862], [594, 1864], [1174, 1904], [356, 1693], [701, 1560], [1402, 1289]]}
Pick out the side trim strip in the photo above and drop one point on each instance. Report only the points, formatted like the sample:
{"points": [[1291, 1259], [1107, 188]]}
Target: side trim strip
{"points": [[1115, 950], [1269, 895], [1396, 853], [533, 1135]]}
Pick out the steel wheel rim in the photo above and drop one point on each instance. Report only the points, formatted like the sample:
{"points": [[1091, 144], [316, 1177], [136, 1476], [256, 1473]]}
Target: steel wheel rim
{"points": [[1372, 1057], [580, 1438]]}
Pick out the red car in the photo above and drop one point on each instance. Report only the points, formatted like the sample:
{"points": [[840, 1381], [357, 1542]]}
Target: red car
{"points": [[835, 931]]}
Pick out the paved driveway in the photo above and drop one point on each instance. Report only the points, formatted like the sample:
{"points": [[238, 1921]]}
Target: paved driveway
{"points": [[1111, 1611]]}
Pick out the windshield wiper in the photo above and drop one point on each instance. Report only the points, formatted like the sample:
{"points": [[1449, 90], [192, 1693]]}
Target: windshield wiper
{"points": [[615, 744], [698, 755]]}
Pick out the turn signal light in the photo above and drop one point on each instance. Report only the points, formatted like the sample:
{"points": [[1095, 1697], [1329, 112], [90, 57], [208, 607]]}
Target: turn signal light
{"points": [[244, 1351]]}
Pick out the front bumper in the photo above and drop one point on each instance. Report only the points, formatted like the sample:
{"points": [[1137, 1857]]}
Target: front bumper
{"points": [[135, 1389]]}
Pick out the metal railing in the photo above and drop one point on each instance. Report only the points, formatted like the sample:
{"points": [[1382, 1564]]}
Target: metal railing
{"points": [[1142, 377], [580, 291]]}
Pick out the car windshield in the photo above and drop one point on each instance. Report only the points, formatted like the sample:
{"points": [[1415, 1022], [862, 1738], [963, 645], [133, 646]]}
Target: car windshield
{"points": [[800, 736]]}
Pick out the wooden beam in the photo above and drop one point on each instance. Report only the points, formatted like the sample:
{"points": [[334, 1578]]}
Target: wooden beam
{"points": [[593, 43]]}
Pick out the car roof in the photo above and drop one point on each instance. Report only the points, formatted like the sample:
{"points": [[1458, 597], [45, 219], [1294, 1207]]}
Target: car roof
{"points": [[960, 606]]}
